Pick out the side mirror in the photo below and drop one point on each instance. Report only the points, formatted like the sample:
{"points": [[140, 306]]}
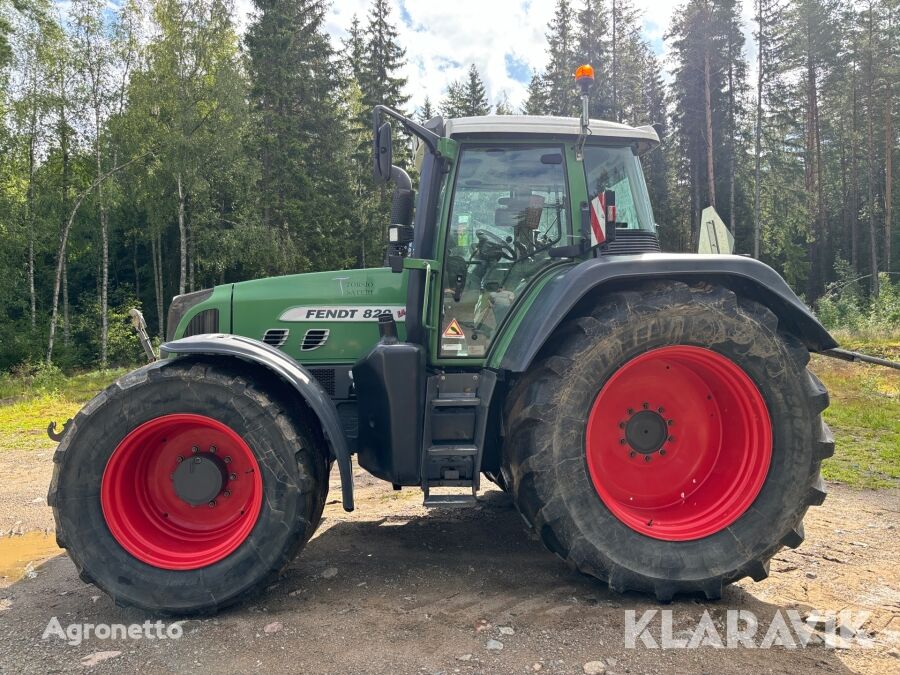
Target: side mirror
{"points": [[383, 158]]}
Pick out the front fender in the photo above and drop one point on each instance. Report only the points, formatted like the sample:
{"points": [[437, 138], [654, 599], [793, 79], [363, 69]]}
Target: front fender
{"points": [[290, 372], [747, 276]]}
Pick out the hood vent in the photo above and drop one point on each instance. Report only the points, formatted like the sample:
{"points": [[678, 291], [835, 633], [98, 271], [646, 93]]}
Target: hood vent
{"points": [[314, 338], [276, 337]]}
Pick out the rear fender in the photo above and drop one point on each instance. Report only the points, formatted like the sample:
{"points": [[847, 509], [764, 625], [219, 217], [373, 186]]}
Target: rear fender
{"points": [[293, 374], [558, 298]]}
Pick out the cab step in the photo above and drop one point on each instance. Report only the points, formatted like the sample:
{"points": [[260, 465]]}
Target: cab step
{"points": [[449, 501], [453, 436]]}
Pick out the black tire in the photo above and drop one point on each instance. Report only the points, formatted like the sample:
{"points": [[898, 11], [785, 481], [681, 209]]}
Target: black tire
{"points": [[544, 451], [291, 458]]}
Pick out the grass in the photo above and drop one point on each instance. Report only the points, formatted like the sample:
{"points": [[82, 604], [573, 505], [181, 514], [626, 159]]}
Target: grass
{"points": [[864, 412], [865, 418], [29, 401]]}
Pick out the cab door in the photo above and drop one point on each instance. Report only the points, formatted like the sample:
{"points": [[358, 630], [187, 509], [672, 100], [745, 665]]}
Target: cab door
{"points": [[509, 207]]}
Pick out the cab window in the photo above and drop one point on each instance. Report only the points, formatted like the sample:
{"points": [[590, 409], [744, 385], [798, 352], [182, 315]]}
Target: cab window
{"points": [[509, 207], [618, 169]]}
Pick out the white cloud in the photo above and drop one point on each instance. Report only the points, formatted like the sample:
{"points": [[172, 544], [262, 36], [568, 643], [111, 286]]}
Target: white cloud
{"points": [[442, 39]]}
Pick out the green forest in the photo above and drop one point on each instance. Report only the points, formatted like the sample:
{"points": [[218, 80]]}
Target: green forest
{"points": [[154, 148]]}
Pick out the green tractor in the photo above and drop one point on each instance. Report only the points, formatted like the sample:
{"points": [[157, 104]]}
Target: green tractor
{"points": [[650, 414]]}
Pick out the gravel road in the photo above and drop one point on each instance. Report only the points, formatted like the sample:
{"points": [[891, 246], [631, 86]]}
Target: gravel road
{"points": [[392, 588]]}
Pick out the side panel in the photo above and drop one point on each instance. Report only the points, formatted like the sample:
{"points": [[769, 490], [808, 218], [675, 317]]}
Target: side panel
{"points": [[559, 296], [346, 303], [292, 373]]}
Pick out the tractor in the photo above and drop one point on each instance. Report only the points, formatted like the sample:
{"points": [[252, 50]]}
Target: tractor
{"points": [[650, 414]]}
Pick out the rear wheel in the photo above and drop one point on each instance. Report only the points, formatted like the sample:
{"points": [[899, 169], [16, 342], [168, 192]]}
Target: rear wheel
{"points": [[184, 488], [669, 441]]}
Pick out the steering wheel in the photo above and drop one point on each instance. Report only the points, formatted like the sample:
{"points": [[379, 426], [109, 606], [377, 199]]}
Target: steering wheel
{"points": [[506, 251]]}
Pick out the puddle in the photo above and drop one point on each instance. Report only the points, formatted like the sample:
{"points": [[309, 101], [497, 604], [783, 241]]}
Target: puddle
{"points": [[18, 551]]}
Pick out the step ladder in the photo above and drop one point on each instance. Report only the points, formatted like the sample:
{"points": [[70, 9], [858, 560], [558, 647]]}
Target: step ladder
{"points": [[456, 416]]}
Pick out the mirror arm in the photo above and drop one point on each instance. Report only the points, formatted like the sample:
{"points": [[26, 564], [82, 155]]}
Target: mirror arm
{"points": [[428, 137]]}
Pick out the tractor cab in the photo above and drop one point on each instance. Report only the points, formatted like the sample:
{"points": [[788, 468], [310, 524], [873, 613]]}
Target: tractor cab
{"points": [[505, 203]]}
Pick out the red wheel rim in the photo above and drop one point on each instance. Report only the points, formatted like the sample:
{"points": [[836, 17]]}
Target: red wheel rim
{"points": [[679, 443], [147, 515]]}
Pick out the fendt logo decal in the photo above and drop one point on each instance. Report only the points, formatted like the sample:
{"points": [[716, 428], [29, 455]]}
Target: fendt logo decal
{"points": [[343, 313]]}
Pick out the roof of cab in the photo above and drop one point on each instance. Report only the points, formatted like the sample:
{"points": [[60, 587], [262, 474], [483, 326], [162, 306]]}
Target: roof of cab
{"points": [[645, 136]]}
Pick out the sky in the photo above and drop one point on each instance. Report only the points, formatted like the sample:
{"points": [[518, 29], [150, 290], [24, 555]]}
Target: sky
{"points": [[505, 39]]}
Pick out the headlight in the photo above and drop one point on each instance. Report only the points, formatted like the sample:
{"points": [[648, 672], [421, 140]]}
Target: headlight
{"points": [[179, 307]]}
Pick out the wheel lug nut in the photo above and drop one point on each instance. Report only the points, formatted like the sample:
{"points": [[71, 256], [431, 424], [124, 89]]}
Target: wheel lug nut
{"points": [[670, 422], [632, 453], [212, 504], [195, 449], [646, 405], [671, 438], [647, 458], [227, 493], [621, 425], [662, 451], [179, 459], [228, 460], [621, 441], [232, 476], [630, 411], [212, 449], [660, 410]]}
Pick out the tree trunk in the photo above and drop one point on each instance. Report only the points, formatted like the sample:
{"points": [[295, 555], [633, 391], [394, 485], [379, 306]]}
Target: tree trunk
{"points": [[812, 173], [707, 98], [888, 173], [65, 294], [855, 239], [870, 160], [104, 243], [155, 245], [731, 132], [757, 171], [182, 235], [614, 79], [29, 204], [137, 270]]}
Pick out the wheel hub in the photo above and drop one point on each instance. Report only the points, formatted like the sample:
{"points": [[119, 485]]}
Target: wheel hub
{"points": [[200, 479], [646, 432]]}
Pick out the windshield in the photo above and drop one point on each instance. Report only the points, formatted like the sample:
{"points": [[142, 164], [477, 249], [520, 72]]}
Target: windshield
{"points": [[618, 169]]}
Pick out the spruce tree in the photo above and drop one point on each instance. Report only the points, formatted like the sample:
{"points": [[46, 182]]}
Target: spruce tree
{"points": [[380, 78], [299, 135], [561, 96], [474, 96], [426, 110]]}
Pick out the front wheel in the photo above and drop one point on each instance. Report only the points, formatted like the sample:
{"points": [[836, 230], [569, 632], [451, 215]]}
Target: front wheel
{"points": [[669, 441], [184, 487]]}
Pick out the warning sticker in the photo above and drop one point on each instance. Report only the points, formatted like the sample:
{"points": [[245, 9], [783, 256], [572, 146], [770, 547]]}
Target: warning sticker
{"points": [[454, 330]]}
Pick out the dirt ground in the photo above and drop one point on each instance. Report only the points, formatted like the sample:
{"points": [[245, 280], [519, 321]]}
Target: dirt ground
{"points": [[393, 588]]}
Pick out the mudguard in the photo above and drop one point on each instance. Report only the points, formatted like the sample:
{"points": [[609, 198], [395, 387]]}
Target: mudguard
{"points": [[743, 275], [293, 374]]}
